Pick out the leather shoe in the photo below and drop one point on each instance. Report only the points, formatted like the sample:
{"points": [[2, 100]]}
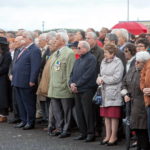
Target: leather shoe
{"points": [[80, 137], [64, 135], [20, 125], [103, 142], [50, 130], [56, 132], [90, 138], [28, 126], [133, 144], [112, 143]]}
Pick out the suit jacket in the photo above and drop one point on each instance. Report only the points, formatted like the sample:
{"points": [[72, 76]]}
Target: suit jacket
{"points": [[60, 70], [45, 56], [26, 68]]}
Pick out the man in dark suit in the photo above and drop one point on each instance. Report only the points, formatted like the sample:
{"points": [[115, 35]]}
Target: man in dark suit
{"points": [[18, 44], [25, 74]]}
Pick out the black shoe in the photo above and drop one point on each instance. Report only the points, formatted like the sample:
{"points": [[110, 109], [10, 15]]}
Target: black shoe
{"points": [[28, 126], [103, 142], [56, 132], [20, 125], [50, 130], [112, 143], [80, 137], [90, 138], [133, 144], [64, 135]]}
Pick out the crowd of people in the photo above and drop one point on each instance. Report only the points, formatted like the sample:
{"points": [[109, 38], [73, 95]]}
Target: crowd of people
{"points": [[55, 75]]}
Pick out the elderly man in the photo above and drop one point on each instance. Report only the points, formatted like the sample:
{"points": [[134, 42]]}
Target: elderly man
{"points": [[18, 44], [25, 74], [91, 38], [123, 37], [59, 92], [83, 83], [42, 102]]}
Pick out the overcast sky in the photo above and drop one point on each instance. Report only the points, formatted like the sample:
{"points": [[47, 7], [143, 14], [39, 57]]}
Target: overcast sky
{"points": [[29, 14]]}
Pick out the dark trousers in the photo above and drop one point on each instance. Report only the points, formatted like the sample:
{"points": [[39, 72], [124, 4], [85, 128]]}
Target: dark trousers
{"points": [[62, 110], [15, 104], [45, 108], [98, 120], [148, 121], [142, 139], [51, 120], [84, 111], [26, 99]]}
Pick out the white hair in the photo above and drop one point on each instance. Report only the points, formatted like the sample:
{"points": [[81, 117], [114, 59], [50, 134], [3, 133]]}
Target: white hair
{"points": [[64, 36], [123, 32], [142, 56], [29, 34], [93, 34], [43, 36], [85, 44], [51, 34]]}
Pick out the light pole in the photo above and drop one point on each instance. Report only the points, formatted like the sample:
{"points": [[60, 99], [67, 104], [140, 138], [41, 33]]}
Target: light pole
{"points": [[127, 10], [43, 24]]}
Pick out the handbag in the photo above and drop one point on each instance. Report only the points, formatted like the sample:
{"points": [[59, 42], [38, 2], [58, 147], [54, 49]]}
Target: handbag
{"points": [[97, 99]]}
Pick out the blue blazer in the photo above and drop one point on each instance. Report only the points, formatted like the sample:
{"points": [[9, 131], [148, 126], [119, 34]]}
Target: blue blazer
{"points": [[26, 68]]}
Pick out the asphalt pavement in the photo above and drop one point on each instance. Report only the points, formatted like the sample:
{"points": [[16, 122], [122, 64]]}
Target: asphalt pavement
{"points": [[37, 139]]}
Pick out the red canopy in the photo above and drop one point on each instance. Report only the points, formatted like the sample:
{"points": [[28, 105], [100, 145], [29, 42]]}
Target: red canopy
{"points": [[132, 27]]}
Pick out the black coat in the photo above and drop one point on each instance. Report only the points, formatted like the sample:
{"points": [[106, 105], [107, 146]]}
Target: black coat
{"points": [[5, 61], [131, 82], [84, 72], [99, 54]]}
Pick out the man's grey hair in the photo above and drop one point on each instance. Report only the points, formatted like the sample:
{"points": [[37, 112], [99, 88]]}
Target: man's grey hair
{"points": [[29, 34], [142, 56], [64, 36], [2, 31], [112, 37], [93, 34], [51, 34], [123, 32], [43, 36], [85, 44]]}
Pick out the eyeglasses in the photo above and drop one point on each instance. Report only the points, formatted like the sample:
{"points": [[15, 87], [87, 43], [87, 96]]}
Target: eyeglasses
{"points": [[140, 46]]}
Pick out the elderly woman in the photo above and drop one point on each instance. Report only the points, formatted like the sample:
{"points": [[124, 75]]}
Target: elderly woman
{"points": [[132, 92], [145, 87], [5, 60], [110, 78]]}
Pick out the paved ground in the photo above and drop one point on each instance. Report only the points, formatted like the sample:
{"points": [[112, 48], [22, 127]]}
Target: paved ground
{"points": [[37, 139]]}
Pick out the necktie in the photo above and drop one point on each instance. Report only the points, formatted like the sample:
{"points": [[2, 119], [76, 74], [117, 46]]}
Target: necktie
{"points": [[21, 52], [57, 54]]}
